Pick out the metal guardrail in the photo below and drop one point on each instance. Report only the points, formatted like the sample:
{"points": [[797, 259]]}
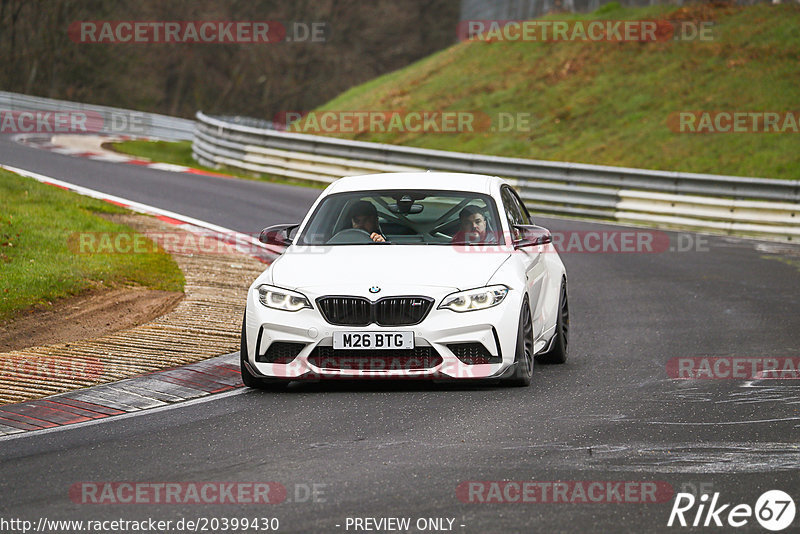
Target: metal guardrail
{"points": [[729, 204], [102, 119]]}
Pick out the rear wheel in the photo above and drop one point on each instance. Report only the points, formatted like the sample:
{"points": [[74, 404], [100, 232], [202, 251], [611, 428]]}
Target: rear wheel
{"points": [[523, 358], [559, 349], [250, 380]]}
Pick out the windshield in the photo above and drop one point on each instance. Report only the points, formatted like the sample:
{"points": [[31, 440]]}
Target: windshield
{"points": [[406, 217]]}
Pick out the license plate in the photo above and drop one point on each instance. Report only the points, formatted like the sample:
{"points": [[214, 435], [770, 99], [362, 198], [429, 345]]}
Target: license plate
{"points": [[373, 340]]}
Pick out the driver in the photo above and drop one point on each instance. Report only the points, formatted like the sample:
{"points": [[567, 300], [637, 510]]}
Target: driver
{"points": [[364, 216]]}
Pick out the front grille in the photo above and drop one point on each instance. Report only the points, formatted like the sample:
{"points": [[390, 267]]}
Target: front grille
{"points": [[473, 353], [346, 311], [388, 311], [401, 311], [418, 358], [280, 352]]}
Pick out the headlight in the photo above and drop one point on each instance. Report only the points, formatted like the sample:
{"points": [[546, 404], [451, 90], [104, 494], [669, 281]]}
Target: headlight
{"points": [[282, 299], [475, 299]]}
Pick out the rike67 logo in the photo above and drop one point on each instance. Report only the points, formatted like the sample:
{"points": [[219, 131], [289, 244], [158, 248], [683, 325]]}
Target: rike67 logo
{"points": [[774, 510]]}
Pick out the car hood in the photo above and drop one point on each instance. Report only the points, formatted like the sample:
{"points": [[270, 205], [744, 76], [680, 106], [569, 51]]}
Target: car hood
{"points": [[337, 268]]}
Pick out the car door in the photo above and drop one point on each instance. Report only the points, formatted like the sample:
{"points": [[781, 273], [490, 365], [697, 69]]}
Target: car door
{"points": [[530, 256]]}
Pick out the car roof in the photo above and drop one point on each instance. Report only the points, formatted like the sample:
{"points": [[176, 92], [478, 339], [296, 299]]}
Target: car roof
{"points": [[446, 181]]}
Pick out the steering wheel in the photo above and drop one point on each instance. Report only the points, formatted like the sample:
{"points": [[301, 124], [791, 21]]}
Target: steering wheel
{"points": [[350, 236]]}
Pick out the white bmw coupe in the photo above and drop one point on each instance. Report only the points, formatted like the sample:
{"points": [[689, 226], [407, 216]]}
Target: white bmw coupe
{"points": [[408, 275]]}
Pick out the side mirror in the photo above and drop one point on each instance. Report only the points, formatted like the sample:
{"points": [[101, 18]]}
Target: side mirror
{"points": [[531, 235], [277, 235]]}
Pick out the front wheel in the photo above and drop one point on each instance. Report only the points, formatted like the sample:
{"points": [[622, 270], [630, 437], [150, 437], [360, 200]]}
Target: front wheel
{"points": [[250, 380], [523, 358], [559, 350]]}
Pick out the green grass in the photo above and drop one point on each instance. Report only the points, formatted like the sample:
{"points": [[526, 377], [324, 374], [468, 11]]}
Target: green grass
{"points": [[608, 103], [176, 152], [180, 153], [38, 224]]}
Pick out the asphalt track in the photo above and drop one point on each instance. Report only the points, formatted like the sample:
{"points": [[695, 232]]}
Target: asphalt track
{"points": [[383, 449]]}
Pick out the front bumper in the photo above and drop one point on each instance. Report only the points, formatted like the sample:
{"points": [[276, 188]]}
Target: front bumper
{"points": [[495, 328]]}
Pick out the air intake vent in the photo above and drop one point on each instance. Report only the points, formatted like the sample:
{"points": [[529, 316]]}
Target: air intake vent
{"points": [[473, 353], [281, 352], [418, 358]]}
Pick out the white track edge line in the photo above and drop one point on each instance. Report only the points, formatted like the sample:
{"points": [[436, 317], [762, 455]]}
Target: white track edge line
{"points": [[136, 206]]}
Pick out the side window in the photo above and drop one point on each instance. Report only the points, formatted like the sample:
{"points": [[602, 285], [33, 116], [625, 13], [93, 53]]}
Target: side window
{"points": [[512, 208], [526, 218]]}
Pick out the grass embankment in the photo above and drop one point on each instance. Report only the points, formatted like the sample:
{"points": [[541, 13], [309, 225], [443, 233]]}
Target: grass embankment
{"points": [[38, 257], [180, 153], [175, 152], [609, 103]]}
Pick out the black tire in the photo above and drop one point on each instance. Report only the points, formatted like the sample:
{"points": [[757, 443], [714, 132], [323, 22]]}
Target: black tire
{"points": [[560, 348], [248, 379], [523, 357]]}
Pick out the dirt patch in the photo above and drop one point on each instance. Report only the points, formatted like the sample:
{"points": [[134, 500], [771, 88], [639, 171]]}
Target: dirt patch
{"points": [[93, 314], [206, 322], [703, 11]]}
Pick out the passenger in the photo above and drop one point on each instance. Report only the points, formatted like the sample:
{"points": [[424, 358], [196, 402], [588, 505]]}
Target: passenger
{"points": [[473, 226]]}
